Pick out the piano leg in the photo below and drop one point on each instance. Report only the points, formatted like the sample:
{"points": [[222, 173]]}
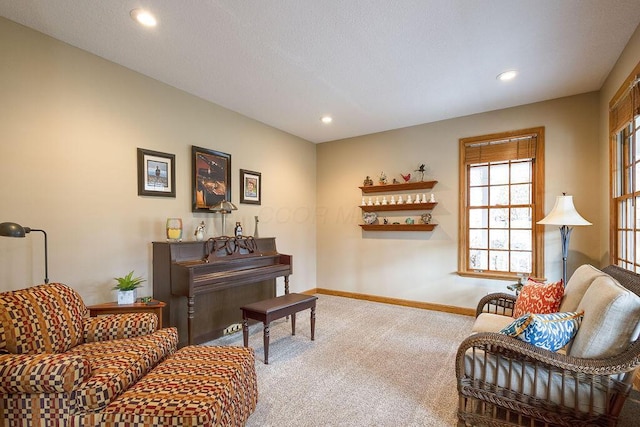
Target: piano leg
{"points": [[190, 312]]}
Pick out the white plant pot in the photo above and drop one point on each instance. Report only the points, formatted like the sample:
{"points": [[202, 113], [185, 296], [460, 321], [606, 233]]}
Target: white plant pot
{"points": [[126, 297]]}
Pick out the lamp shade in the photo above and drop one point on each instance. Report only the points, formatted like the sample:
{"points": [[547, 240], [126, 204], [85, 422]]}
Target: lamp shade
{"points": [[564, 213], [11, 229], [224, 207]]}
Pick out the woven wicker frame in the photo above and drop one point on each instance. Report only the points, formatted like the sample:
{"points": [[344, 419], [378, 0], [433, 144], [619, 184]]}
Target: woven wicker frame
{"points": [[484, 402]]}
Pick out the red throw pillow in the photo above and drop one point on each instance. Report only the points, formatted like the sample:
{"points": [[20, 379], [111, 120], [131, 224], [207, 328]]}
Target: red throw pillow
{"points": [[539, 298]]}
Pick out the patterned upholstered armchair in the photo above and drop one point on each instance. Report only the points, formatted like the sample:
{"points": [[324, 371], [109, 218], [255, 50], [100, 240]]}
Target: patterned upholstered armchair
{"points": [[56, 364], [503, 381]]}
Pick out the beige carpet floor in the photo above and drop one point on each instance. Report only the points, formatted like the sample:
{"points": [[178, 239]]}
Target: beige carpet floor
{"points": [[371, 364]]}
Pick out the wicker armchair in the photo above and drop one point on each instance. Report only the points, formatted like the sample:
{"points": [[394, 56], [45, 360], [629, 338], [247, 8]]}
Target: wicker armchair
{"points": [[503, 381]]}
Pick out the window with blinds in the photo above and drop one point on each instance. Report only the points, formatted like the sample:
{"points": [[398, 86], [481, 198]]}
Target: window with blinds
{"points": [[624, 126], [502, 185]]}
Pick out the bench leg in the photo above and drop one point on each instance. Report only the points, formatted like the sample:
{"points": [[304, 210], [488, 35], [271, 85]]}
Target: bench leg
{"points": [[266, 343], [313, 322], [245, 331], [293, 324]]}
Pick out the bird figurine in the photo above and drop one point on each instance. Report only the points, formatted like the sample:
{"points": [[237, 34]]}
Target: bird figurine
{"points": [[406, 177]]}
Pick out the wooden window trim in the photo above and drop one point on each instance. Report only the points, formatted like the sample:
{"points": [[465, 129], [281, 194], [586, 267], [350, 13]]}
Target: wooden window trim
{"points": [[537, 198], [620, 114]]}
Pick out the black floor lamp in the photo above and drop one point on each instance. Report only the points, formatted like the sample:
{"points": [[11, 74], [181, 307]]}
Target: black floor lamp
{"points": [[565, 215], [11, 229]]}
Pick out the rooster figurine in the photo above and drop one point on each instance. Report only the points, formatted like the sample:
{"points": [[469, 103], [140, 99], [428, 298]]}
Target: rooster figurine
{"points": [[406, 177]]}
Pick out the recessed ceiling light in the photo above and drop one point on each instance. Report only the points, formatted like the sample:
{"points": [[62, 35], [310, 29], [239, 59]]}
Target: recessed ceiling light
{"points": [[507, 75], [326, 119], [143, 17]]}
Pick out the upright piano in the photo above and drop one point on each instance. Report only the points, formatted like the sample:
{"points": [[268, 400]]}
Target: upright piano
{"points": [[205, 283]]}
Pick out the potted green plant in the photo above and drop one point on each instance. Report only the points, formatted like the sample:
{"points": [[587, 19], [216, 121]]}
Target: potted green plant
{"points": [[126, 287]]}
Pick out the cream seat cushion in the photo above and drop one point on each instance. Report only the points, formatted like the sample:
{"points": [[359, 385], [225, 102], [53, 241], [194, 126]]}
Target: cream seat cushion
{"points": [[491, 322]]}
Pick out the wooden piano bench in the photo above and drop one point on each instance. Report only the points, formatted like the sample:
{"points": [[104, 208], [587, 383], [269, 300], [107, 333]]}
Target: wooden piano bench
{"points": [[275, 308]]}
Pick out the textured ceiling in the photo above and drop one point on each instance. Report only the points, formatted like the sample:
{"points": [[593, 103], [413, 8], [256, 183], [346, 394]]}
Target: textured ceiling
{"points": [[374, 65]]}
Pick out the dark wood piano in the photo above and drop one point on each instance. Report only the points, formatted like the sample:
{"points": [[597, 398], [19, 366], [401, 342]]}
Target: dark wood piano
{"points": [[205, 283]]}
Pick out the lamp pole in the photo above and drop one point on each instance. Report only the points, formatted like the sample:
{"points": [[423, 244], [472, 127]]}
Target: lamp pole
{"points": [[46, 252]]}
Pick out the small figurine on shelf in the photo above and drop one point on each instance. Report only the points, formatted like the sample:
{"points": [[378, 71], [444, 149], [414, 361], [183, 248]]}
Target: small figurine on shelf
{"points": [[395, 181], [409, 199], [409, 221], [424, 198], [406, 177], [363, 202], [400, 200], [417, 198], [377, 203], [393, 200], [383, 178], [385, 221], [384, 200], [367, 181], [432, 198], [422, 170], [199, 233], [238, 230], [425, 218], [370, 202]]}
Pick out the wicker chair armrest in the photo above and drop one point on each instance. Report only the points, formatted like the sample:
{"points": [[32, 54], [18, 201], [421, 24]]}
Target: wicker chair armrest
{"points": [[513, 348], [42, 373], [118, 326], [499, 303]]}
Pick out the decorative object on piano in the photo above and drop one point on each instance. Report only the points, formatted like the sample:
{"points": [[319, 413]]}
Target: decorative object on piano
{"points": [[126, 287], [255, 230], [211, 178], [367, 181], [199, 233], [229, 246], [422, 169], [251, 187], [174, 229], [382, 179], [369, 218], [237, 231], [224, 208], [425, 218], [156, 173]]}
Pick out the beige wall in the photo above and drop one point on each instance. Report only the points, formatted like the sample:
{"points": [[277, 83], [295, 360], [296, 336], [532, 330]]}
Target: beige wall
{"points": [[70, 123], [421, 266]]}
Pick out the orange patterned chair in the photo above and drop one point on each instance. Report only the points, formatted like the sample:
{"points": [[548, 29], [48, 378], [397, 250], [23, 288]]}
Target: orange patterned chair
{"points": [[60, 367]]}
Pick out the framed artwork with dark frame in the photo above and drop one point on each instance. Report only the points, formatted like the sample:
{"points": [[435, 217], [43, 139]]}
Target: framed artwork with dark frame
{"points": [[211, 178], [251, 187], [156, 173]]}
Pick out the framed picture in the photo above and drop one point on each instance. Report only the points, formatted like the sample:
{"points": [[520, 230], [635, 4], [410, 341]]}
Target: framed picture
{"points": [[156, 173], [211, 178], [251, 187]]}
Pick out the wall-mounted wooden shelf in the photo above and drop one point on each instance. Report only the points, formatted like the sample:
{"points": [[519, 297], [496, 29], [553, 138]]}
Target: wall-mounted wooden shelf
{"points": [[402, 207], [398, 227], [407, 186]]}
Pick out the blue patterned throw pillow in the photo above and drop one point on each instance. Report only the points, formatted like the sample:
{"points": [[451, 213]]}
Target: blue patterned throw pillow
{"points": [[549, 331]]}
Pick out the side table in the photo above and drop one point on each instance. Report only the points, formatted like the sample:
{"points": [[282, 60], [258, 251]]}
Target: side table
{"points": [[154, 306]]}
